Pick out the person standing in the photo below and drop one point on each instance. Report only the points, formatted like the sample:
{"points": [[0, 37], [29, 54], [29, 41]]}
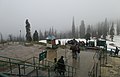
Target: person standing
{"points": [[55, 65], [61, 66], [116, 51], [73, 48], [78, 51]]}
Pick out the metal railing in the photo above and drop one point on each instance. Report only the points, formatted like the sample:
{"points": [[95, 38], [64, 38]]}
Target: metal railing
{"points": [[94, 69], [31, 67], [100, 59], [70, 71]]}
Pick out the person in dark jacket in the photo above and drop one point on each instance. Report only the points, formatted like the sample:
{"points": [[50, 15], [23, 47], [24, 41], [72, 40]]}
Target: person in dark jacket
{"points": [[116, 51], [74, 52], [78, 51], [61, 66], [55, 65]]}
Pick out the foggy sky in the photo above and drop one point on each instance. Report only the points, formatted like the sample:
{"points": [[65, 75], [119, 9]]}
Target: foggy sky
{"points": [[43, 14]]}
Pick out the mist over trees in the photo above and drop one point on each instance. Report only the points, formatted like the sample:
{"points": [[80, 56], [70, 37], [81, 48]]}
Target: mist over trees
{"points": [[112, 32], [73, 29], [105, 29], [82, 29], [41, 36], [88, 33], [99, 30], [118, 28], [1, 37]]}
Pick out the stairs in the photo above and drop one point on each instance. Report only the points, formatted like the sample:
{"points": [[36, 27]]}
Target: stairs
{"points": [[31, 68]]}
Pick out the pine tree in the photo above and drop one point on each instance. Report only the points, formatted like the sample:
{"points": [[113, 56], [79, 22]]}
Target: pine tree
{"points": [[99, 30], [82, 29], [77, 32], [41, 35], [118, 29], [88, 29], [1, 37], [93, 32], [88, 35], [45, 34], [105, 29], [50, 31], [28, 32], [112, 32], [55, 34], [10, 37], [73, 29]]}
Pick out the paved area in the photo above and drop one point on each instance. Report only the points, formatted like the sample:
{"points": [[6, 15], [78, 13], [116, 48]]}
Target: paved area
{"points": [[86, 61], [83, 64]]}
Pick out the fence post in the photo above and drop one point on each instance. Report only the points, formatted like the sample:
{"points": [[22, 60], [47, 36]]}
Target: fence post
{"points": [[106, 53], [48, 72], [24, 68], [48, 63], [103, 57], [34, 62], [68, 71], [72, 71], [10, 65], [100, 64], [19, 70], [75, 70], [96, 69], [36, 71], [106, 56], [39, 65]]}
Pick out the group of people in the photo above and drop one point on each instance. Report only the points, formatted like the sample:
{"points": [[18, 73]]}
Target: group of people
{"points": [[75, 49], [59, 66]]}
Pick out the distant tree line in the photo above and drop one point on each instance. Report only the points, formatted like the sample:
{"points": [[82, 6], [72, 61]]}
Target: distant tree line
{"points": [[99, 30]]}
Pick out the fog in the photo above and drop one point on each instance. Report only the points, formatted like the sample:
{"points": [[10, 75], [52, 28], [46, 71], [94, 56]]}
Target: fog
{"points": [[43, 14]]}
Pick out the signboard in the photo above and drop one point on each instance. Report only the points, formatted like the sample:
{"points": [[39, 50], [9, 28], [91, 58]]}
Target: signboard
{"points": [[43, 55]]}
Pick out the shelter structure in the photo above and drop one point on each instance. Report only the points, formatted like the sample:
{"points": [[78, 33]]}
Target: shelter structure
{"points": [[51, 41]]}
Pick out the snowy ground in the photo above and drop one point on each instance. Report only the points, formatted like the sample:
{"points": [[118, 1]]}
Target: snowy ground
{"points": [[116, 42]]}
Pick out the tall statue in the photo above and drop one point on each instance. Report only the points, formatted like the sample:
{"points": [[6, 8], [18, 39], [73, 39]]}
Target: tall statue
{"points": [[28, 33]]}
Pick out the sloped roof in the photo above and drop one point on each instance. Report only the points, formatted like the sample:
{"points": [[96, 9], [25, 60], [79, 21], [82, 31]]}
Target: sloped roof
{"points": [[50, 37]]}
